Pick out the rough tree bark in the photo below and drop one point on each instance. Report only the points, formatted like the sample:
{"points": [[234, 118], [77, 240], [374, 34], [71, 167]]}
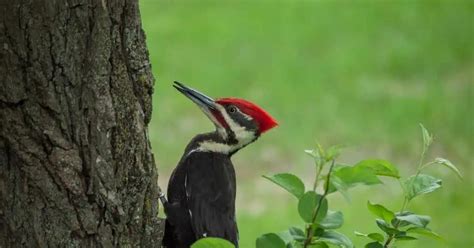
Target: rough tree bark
{"points": [[76, 167]]}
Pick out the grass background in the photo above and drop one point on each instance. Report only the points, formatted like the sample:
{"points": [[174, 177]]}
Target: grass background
{"points": [[359, 73]]}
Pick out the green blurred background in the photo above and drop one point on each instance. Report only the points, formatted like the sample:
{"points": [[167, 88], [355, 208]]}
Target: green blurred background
{"points": [[359, 73]]}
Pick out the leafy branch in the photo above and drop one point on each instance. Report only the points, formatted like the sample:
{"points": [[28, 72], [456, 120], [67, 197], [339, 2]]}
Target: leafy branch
{"points": [[320, 223], [404, 224], [310, 232]]}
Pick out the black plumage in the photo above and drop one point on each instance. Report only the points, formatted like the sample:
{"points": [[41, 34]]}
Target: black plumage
{"points": [[201, 197]]}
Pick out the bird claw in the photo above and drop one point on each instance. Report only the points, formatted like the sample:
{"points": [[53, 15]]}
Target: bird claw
{"points": [[163, 198]]}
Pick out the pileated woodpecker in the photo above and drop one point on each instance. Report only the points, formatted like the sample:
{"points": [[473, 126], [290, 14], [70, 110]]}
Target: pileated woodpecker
{"points": [[202, 188]]}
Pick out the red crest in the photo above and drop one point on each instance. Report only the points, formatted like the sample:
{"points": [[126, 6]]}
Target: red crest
{"points": [[265, 121]]}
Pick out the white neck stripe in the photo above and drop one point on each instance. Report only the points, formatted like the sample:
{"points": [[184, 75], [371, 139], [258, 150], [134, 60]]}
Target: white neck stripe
{"points": [[211, 146], [243, 136]]}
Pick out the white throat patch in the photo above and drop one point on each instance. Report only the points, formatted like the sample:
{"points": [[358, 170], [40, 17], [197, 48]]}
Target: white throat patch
{"points": [[242, 136], [212, 146]]}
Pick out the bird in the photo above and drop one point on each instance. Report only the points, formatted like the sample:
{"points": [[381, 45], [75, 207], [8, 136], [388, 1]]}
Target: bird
{"points": [[202, 188]]}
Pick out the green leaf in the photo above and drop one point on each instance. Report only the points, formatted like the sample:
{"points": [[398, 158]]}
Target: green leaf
{"points": [[212, 243], [269, 240], [448, 164], [405, 238], [374, 245], [354, 175], [289, 182], [318, 232], [374, 236], [402, 236], [333, 152], [285, 236], [297, 233], [308, 204], [427, 138], [312, 153], [414, 219], [384, 226], [333, 220], [425, 232], [336, 238], [295, 244], [319, 244], [336, 184], [380, 167], [421, 184], [397, 222], [381, 211], [360, 234]]}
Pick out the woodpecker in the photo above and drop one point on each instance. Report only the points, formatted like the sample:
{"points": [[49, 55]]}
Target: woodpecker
{"points": [[202, 188]]}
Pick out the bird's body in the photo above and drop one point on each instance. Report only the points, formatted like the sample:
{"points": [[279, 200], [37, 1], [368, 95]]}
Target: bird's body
{"points": [[202, 188], [201, 195]]}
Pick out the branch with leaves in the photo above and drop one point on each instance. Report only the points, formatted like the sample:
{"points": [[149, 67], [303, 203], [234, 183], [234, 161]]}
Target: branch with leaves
{"points": [[320, 223], [406, 225]]}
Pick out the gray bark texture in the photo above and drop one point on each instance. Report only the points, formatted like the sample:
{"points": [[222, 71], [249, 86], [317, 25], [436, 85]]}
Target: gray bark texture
{"points": [[76, 167]]}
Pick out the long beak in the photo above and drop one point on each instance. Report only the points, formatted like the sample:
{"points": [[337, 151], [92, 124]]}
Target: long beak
{"points": [[205, 103]]}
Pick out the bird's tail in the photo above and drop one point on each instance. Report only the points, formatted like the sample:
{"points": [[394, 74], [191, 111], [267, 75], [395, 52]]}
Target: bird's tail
{"points": [[168, 239]]}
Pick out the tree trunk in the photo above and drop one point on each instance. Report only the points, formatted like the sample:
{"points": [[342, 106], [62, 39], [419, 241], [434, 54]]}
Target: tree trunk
{"points": [[76, 167]]}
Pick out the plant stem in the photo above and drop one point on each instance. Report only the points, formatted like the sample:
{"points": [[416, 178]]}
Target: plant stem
{"points": [[310, 230], [319, 168], [406, 201], [404, 206], [397, 223], [389, 240], [422, 157]]}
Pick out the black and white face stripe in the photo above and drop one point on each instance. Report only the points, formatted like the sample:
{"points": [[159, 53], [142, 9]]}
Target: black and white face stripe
{"points": [[241, 126], [240, 118], [242, 130]]}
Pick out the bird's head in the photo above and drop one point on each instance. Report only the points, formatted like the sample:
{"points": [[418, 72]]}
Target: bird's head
{"points": [[238, 121]]}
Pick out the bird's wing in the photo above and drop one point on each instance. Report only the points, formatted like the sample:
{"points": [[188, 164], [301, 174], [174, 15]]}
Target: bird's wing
{"points": [[210, 192]]}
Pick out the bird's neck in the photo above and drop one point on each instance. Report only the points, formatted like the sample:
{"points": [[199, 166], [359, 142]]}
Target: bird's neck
{"points": [[216, 142]]}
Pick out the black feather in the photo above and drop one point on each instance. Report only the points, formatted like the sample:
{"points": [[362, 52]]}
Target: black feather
{"points": [[201, 195]]}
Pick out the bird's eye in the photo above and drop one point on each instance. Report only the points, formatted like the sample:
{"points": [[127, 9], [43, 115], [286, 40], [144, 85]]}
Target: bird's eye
{"points": [[232, 109]]}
